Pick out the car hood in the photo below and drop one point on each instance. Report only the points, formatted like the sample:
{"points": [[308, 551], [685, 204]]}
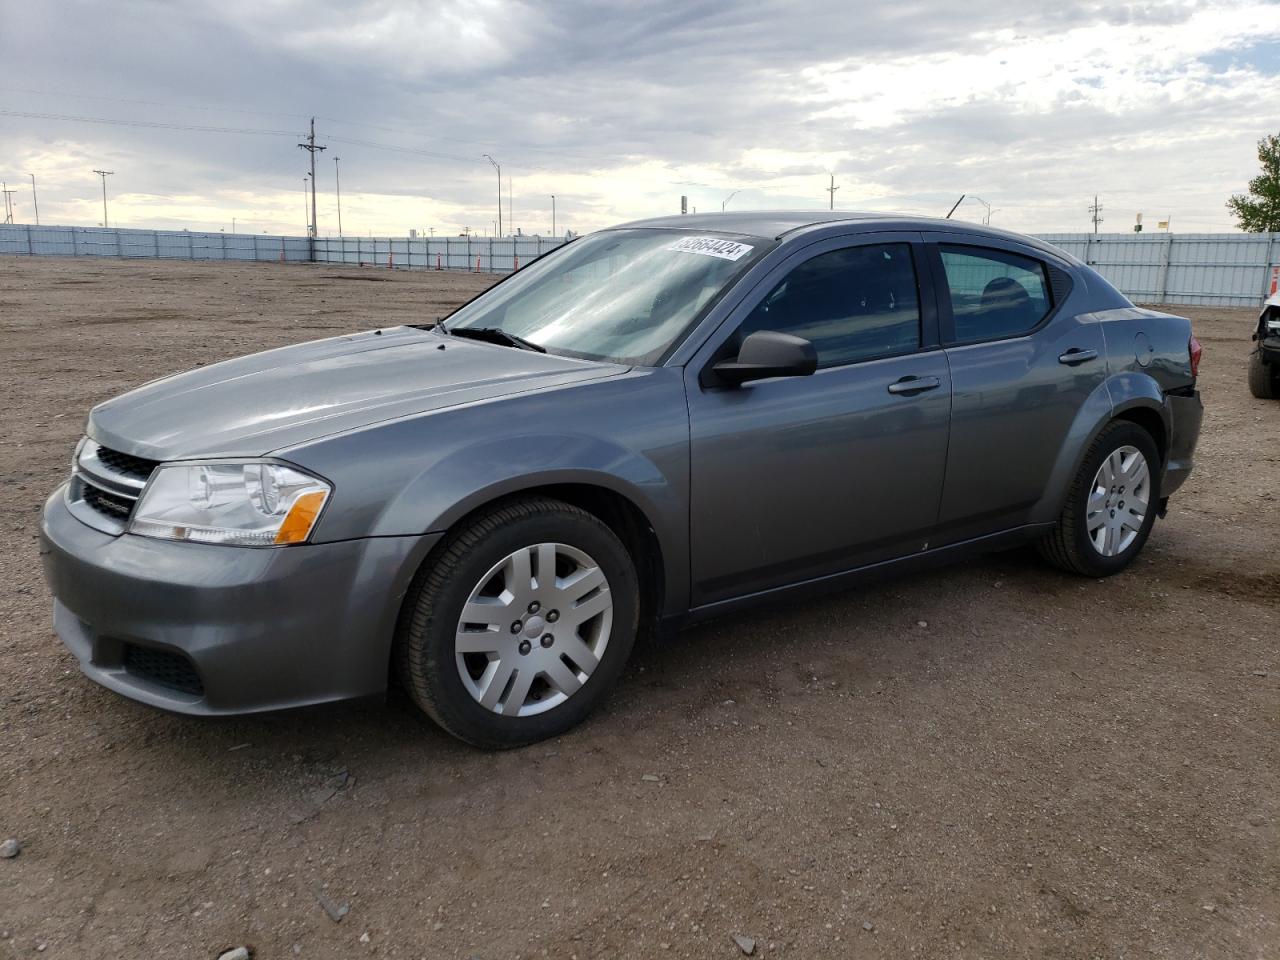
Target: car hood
{"points": [[253, 405]]}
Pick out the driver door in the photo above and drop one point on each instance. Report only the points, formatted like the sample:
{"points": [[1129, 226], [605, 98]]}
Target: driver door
{"points": [[796, 478]]}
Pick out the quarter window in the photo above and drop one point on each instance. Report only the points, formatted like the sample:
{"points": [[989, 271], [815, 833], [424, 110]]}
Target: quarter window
{"points": [[994, 294], [851, 304]]}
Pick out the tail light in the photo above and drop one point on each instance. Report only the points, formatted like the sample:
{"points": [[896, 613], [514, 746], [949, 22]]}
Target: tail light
{"points": [[1194, 348]]}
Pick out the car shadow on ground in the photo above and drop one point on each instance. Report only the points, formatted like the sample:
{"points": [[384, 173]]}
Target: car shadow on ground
{"points": [[763, 655]]}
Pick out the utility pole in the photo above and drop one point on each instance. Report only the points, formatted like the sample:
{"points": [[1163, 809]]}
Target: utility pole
{"points": [[34, 200], [337, 181], [311, 148], [497, 167], [8, 201], [553, 214], [305, 214], [1095, 212], [233, 224], [832, 190], [104, 174]]}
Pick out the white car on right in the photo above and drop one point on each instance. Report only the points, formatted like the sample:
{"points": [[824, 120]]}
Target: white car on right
{"points": [[1264, 361]]}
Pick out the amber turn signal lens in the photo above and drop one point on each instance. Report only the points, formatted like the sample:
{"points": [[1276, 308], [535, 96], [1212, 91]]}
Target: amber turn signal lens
{"points": [[302, 517]]}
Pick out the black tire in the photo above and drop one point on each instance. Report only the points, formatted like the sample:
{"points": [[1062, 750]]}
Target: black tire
{"points": [[1068, 545], [425, 652], [1264, 378]]}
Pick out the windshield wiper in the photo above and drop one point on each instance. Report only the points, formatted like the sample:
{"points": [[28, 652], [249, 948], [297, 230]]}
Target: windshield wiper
{"points": [[493, 335]]}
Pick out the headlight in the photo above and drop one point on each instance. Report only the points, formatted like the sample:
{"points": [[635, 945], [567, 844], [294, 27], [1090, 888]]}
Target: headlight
{"points": [[252, 504]]}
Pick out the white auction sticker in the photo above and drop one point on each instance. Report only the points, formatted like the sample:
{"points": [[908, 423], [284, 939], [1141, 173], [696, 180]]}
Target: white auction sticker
{"points": [[712, 247]]}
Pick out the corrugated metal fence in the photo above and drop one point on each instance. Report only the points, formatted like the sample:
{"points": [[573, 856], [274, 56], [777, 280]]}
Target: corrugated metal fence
{"points": [[486, 254], [1223, 269], [165, 244], [1212, 269]]}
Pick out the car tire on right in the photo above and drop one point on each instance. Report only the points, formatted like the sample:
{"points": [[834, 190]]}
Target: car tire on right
{"points": [[1111, 505], [1264, 378]]}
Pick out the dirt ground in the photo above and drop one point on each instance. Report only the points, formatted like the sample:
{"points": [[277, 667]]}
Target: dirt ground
{"points": [[992, 760]]}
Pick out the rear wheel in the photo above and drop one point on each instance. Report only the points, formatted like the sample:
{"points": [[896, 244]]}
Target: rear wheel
{"points": [[521, 624], [1111, 506], [1264, 378]]}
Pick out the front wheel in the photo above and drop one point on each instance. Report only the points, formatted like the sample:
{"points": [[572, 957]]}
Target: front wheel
{"points": [[1111, 506], [520, 625]]}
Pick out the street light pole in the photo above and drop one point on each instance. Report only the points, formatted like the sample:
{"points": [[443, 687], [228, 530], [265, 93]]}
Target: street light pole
{"points": [[725, 202], [34, 200], [337, 180], [553, 214], [104, 174], [497, 167]]}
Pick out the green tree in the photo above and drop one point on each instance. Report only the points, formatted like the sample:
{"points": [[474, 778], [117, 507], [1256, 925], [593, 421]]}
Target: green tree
{"points": [[1258, 211]]}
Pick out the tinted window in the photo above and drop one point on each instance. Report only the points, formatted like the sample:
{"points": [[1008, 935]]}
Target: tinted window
{"points": [[994, 294], [851, 304]]}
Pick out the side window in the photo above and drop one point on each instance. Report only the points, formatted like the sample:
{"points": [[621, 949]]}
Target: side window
{"points": [[851, 304], [994, 294]]}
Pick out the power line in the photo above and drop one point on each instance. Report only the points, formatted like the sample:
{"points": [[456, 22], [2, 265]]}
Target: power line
{"points": [[157, 124]]}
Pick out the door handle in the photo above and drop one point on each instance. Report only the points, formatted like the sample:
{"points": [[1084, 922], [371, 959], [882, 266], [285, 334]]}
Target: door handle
{"points": [[1076, 356], [910, 386]]}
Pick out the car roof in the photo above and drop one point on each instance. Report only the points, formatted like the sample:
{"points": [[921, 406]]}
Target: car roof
{"points": [[784, 224]]}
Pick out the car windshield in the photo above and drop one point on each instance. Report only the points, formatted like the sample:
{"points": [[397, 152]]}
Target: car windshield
{"points": [[625, 296]]}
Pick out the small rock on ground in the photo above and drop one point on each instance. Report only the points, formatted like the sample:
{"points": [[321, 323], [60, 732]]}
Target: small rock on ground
{"points": [[745, 944], [336, 911], [239, 953], [868, 926], [10, 848]]}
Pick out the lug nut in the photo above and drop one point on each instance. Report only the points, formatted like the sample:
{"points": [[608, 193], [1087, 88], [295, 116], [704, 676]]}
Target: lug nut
{"points": [[534, 607], [553, 616], [547, 639], [517, 627], [525, 646]]}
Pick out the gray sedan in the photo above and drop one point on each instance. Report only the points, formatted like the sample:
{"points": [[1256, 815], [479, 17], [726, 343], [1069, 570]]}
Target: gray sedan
{"points": [[652, 425]]}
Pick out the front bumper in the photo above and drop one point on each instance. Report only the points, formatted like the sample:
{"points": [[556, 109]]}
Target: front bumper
{"points": [[209, 630], [1185, 416]]}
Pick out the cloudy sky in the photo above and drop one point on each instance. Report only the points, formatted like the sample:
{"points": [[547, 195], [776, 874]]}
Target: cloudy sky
{"points": [[620, 108]]}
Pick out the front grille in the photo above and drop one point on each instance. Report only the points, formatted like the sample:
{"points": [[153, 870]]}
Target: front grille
{"points": [[164, 668], [111, 504], [126, 463], [106, 484]]}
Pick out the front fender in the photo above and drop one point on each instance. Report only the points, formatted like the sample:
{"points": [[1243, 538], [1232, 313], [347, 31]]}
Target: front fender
{"points": [[628, 435]]}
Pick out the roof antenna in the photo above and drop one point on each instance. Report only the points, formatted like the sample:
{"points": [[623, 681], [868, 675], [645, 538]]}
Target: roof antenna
{"points": [[953, 209]]}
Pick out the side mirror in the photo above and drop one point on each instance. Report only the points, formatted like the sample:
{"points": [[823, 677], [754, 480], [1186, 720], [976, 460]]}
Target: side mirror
{"points": [[767, 353]]}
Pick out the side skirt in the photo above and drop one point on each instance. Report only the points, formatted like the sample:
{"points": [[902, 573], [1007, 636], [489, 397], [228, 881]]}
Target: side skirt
{"points": [[836, 582]]}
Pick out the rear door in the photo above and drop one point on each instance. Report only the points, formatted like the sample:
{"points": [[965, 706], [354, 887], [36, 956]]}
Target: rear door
{"points": [[1022, 365], [799, 477]]}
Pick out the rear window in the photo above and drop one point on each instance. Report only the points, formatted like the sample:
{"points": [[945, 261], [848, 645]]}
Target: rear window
{"points": [[994, 294]]}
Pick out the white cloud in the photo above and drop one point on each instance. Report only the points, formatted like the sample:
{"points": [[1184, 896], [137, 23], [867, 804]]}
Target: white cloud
{"points": [[618, 110]]}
